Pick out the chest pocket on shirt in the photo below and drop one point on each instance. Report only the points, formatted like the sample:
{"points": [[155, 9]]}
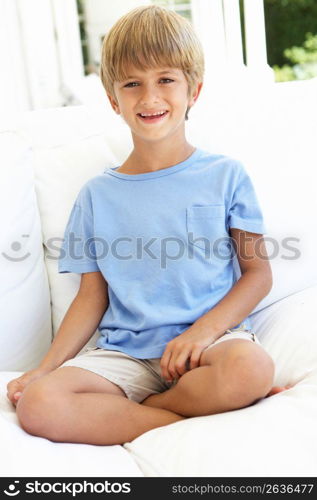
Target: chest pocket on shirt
{"points": [[207, 221]]}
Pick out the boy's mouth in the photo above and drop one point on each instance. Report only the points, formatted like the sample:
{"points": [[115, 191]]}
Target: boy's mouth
{"points": [[152, 119]]}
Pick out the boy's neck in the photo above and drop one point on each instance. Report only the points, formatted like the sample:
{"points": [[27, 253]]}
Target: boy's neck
{"points": [[141, 161]]}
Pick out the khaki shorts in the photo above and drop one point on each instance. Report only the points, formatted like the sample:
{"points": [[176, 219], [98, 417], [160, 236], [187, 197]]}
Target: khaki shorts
{"points": [[138, 378]]}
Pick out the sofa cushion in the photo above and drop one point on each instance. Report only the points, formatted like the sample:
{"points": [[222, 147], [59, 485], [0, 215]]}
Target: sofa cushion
{"points": [[275, 437], [25, 455], [25, 320]]}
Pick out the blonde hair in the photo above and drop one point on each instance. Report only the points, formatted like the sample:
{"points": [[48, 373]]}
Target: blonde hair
{"points": [[151, 37]]}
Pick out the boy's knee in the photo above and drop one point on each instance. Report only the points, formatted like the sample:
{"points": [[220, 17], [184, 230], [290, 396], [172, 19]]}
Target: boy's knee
{"points": [[248, 379], [35, 408]]}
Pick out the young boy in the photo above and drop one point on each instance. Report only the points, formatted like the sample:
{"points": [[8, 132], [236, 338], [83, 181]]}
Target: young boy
{"points": [[151, 240]]}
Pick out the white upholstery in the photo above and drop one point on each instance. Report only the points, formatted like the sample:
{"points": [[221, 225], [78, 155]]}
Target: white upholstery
{"points": [[272, 130], [26, 455], [25, 316], [277, 435]]}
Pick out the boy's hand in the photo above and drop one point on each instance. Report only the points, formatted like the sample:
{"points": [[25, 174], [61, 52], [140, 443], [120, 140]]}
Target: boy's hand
{"points": [[187, 346], [16, 386]]}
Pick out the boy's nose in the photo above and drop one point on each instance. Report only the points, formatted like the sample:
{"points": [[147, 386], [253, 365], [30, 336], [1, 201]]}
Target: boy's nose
{"points": [[150, 96], [149, 101]]}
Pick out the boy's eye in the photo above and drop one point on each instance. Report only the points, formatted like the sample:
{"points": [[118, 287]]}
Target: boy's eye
{"points": [[131, 83]]}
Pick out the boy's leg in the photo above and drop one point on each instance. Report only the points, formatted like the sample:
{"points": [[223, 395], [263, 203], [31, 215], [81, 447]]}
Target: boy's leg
{"points": [[74, 405], [232, 374]]}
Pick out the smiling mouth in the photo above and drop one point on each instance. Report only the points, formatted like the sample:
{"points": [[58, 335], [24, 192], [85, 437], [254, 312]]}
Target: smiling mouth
{"points": [[154, 118]]}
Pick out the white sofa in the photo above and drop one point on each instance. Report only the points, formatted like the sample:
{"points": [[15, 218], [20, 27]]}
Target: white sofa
{"points": [[46, 156]]}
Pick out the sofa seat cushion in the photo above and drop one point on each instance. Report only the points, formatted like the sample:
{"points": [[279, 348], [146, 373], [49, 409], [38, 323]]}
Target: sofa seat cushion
{"points": [[31, 456], [276, 436]]}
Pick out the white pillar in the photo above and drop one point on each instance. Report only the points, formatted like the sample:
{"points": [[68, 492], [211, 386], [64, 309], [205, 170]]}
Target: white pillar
{"points": [[68, 43], [14, 86], [208, 21], [39, 52], [255, 39], [234, 48]]}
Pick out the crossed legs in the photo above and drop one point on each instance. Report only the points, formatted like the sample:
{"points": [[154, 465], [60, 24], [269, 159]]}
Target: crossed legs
{"points": [[232, 374], [74, 405], [71, 404]]}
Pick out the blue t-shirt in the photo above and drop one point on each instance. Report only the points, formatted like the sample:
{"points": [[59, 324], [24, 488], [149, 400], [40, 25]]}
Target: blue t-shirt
{"points": [[161, 241]]}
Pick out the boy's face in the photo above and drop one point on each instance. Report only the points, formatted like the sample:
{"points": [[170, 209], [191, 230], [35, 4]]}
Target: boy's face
{"points": [[152, 91]]}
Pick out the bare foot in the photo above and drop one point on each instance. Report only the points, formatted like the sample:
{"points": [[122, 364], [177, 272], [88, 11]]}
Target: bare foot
{"points": [[277, 389]]}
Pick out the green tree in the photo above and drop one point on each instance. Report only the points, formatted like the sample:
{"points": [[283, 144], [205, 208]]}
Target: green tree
{"points": [[304, 59], [287, 22]]}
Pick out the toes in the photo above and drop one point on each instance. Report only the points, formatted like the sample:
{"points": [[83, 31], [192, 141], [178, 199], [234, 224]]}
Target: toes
{"points": [[277, 389]]}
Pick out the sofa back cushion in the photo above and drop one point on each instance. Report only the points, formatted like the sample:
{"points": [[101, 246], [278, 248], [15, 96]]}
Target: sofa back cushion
{"points": [[272, 130], [25, 318]]}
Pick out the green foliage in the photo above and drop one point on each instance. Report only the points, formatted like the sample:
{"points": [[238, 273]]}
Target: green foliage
{"points": [[286, 23], [305, 54], [284, 74], [304, 59]]}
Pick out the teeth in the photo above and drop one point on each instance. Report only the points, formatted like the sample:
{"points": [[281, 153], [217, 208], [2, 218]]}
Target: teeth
{"points": [[154, 114]]}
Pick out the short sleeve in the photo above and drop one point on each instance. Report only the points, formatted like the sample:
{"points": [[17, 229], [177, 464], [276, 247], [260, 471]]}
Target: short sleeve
{"points": [[244, 211], [78, 252]]}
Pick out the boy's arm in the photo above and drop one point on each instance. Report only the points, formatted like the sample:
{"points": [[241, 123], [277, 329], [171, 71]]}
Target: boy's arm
{"points": [[253, 285], [80, 322]]}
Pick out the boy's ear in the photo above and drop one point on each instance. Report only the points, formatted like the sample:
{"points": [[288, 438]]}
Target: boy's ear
{"points": [[114, 104], [195, 94]]}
